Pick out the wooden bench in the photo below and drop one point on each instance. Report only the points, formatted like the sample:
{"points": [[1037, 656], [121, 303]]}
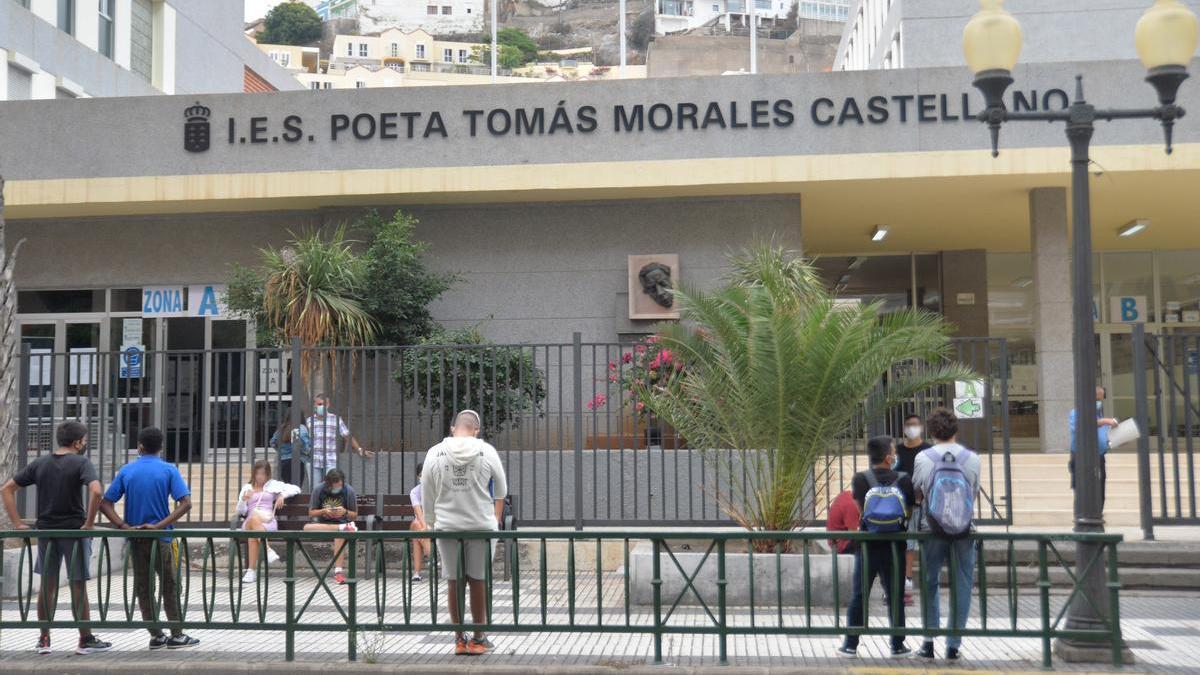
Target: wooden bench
{"points": [[293, 515]]}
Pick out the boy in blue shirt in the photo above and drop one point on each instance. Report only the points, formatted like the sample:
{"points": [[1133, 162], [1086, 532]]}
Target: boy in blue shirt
{"points": [[146, 483]]}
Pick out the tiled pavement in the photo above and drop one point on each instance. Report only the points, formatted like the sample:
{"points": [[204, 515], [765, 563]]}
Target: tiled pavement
{"points": [[1163, 630]]}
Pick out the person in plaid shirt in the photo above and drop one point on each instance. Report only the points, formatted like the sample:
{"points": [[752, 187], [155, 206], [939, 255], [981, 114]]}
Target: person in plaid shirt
{"points": [[325, 431]]}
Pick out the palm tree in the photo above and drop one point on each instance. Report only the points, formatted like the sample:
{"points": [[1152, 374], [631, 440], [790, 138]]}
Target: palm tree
{"points": [[777, 368], [311, 290]]}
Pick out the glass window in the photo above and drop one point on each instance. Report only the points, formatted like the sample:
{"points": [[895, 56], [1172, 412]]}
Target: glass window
{"points": [[359, 84], [60, 302], [887, 279], [1128, 295], [1179, 282], [107, 13], [362, 49], [420, 51], [328, 85], [395, 50], [126, 300], [66, 16], [349, 49], [315, 86], [462, 56], [929, 282], [446, 10], [431, 10], [448, 55]]}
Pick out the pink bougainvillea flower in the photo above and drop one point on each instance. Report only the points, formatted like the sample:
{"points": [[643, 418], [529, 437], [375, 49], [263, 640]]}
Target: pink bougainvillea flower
{"points": [[640, 406], [612, 377], [597, 401], [627, 357], [612, 366], [641, 349], [653, 339]]}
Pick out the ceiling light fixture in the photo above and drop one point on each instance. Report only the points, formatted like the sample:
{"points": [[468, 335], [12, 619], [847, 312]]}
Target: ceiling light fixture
{"points": [[1022, 282], [881, 233], [1133, 227]]}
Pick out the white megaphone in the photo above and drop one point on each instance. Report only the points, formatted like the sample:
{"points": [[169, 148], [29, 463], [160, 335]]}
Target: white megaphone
{"points": [[1123, 433]]}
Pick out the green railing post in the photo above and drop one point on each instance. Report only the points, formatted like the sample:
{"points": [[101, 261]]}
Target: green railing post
{"points": [[290, 585], [1044, 590], [352, 599], [656, 584], [1114, 607], [723, 635]]}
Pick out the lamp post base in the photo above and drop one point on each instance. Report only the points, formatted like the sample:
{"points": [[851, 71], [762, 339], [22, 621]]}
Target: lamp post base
{"points": [[1076, 651]]}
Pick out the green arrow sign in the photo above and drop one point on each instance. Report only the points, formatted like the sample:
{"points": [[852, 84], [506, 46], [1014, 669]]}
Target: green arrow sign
{"points": [[969, 407]]}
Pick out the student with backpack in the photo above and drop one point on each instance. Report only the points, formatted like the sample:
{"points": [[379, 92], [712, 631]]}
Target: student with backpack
{"points": [[885, 497], [947, 481]]}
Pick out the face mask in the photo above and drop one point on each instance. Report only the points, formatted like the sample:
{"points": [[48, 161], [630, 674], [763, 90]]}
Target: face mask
{"points": [[913, 432], [335, 491], [320, 410]]}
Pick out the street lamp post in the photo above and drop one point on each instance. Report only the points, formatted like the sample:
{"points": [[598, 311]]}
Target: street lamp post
{"points": [[1166, 38]]}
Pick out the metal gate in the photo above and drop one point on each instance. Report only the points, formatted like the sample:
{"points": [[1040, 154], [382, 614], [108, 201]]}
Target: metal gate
{"points": [[1166, 378], [577, 450]]}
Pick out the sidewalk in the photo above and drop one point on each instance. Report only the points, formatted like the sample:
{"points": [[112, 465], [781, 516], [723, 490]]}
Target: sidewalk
{"points": [[1162, 629]]}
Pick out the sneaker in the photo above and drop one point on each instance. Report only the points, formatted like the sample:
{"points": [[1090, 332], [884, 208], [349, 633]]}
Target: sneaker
{"points": [[417, 578], [847, 652], [181, 642], [476, 647], [158, 642], [952, 654], [901, 651], [249, 577], [908, 586], [348, 527], [460, 647], [272, 556], [339, 578], [926, 651], [43, 645], [908, 599], [91, 645]]}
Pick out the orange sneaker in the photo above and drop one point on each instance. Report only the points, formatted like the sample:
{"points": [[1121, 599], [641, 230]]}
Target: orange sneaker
{"points": [[478, 647], [460, 647]]}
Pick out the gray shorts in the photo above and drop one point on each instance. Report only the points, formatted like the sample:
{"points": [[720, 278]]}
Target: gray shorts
{"points": [[478, 557], [914, 521], [77, 553]]}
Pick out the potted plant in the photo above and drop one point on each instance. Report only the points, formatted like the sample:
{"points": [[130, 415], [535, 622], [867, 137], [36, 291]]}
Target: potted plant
{"points": [[777, 368]]}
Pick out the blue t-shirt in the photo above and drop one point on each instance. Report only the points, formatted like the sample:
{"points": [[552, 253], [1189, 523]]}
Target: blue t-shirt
{"points": [[146, 483]]}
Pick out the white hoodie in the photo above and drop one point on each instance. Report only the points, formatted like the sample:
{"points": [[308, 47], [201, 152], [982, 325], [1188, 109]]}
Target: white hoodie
{"points": [[455, 481]]}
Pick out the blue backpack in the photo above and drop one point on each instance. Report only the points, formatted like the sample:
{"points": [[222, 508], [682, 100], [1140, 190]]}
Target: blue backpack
{"points": [[950, 505], [884, 507]]}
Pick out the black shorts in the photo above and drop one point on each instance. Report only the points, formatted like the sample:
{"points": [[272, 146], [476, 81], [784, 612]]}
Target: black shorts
{"points": [[76, 552]]}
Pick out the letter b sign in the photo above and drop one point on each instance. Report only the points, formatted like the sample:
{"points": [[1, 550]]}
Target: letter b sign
{"points": [[1128, 309]]}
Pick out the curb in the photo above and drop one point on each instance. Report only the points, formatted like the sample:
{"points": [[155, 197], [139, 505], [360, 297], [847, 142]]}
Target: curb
{"points": [[478, 668]]}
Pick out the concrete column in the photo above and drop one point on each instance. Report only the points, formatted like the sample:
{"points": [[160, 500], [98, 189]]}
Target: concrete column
{"points": [[1052, 312], [964, 291]]}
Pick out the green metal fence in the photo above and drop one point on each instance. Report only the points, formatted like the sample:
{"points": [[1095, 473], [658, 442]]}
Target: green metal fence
{"points": [[581, 597]]}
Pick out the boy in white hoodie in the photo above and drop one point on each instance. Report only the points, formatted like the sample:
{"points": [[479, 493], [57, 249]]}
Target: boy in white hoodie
{"points": [[456, 498]]}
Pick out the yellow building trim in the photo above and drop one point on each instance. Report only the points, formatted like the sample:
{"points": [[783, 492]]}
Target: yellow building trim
{"points": [[550, 182]]}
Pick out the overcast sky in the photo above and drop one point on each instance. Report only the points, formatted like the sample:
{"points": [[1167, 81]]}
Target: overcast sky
{"points": [[257, 9]]}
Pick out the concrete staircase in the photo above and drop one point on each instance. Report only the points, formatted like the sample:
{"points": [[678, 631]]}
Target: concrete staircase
{"points": [[1042, 496], [1142, 565]]}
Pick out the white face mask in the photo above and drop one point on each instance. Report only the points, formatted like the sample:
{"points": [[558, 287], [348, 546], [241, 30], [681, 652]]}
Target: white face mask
{"points": [[913, 432]]}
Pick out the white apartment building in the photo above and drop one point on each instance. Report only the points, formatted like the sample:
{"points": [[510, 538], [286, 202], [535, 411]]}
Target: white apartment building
{"points": [[401, 50], [440, 17], [883, 34], [824, 10], [674, 16], [94, 48]]}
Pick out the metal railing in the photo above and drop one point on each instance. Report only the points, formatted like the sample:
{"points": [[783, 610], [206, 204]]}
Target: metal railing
{"points": [[582, 598], [576, 449], [1166, 380]]}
